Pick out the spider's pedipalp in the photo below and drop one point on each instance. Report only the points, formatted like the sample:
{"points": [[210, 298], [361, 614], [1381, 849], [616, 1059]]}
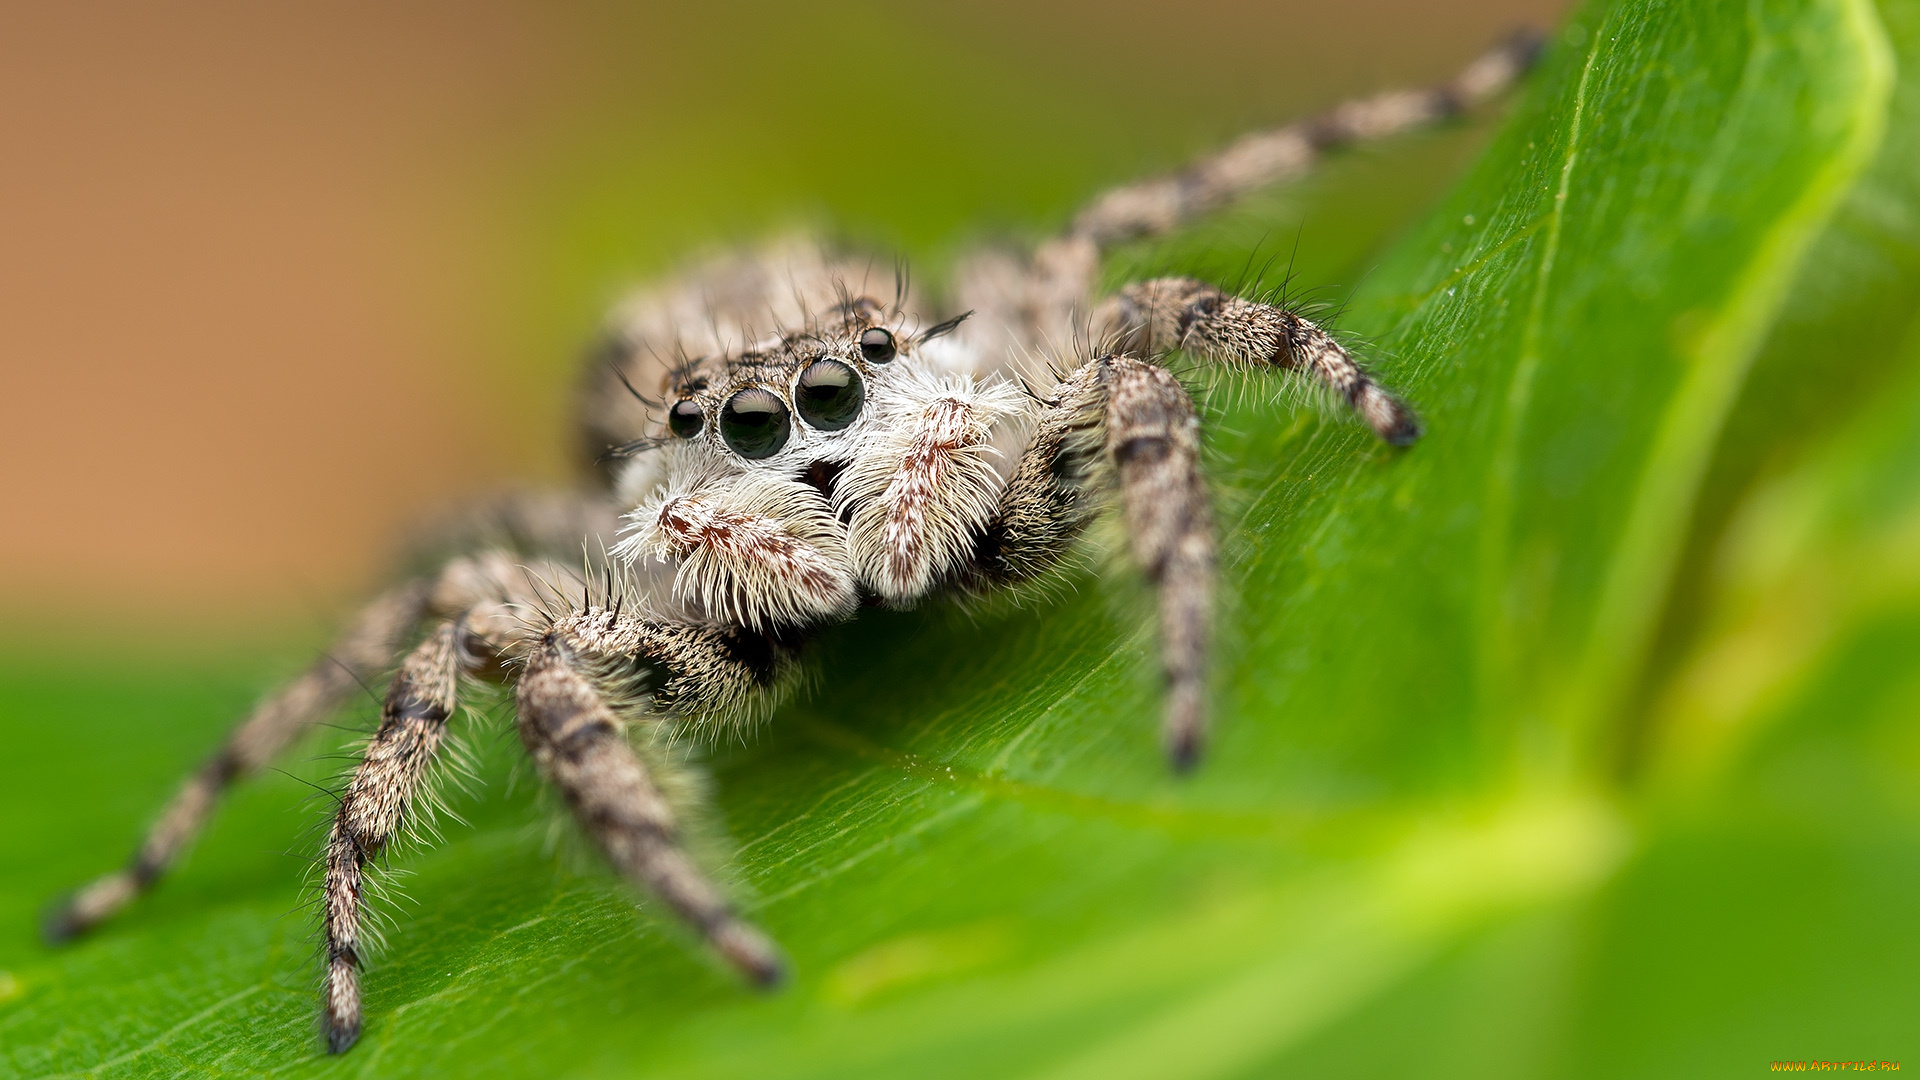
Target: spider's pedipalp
{"points": [[754, 549], [927, 482]]}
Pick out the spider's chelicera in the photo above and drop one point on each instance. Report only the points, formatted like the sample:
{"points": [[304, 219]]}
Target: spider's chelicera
{"points": [[784, 451]]}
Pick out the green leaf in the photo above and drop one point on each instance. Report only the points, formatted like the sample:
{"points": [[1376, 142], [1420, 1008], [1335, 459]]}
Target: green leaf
{"points": [[1458, 816]]}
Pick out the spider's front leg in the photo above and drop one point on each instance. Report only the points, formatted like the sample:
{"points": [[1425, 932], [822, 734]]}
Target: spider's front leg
{"points": [[1120, 422], [377, 801], [574, 696], [1151, 318], [578, 683], [536, 522], [481, 601]]}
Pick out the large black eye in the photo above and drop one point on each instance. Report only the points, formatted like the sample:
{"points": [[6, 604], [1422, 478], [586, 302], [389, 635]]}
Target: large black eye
{"points": [[829, 395], [685, 419], [755, 423], [876, 345]]}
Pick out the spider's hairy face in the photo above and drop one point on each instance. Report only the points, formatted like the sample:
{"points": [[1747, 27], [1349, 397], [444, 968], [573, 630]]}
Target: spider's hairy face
{"points": [[786, 482]]}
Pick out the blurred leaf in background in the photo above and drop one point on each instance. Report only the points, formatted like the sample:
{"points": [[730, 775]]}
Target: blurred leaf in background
{"points": [[1578, 741]]}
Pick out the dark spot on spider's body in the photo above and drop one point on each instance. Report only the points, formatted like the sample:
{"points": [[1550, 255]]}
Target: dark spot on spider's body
{"points": [[412, 708], [1288, 350], [990, 547], [760, 652], [821, 476], [1072, 462]]}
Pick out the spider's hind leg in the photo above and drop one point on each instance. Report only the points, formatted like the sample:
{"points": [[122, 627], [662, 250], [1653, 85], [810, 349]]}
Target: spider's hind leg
{"points": [[1260, 159], [1049, 298]]}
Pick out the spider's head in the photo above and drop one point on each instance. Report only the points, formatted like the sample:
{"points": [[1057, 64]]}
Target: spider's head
{"points": [[767, 464], [789, 403]]}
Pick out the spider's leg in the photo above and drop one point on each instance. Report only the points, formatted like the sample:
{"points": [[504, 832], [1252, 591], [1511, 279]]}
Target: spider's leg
{"points": [[1119, 421], [376, 803], [1058, 288], [577, 735], [1263, 158], [484, 602], [366, 648], [1153, 317]]}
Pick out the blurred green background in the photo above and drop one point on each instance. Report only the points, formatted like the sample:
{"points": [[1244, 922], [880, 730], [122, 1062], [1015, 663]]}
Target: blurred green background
{"points": [[1578, 741]]}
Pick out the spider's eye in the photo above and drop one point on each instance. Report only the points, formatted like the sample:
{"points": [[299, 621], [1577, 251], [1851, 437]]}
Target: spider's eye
{"points": [[876, 345], [685, 419], [829, 395], [755, 423]]}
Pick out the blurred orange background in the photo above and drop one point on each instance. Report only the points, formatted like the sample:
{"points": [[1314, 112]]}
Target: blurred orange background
{"points": [[277, 279]]}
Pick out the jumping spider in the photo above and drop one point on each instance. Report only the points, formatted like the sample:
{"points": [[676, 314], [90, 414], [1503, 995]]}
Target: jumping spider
{"points": [[756, 493]]}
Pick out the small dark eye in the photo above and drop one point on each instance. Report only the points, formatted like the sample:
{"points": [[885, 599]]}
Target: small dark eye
{"points": [[829, 395], [755, 423], [685, 419], [876, 345]]}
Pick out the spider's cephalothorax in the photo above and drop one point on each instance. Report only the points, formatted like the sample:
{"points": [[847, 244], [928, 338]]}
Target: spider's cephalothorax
{"points": [[776, 449]]}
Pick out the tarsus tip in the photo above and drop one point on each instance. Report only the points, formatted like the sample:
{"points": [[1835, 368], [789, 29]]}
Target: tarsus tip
{"points": [[753, 956], [771, 975], [341, 1037], [61, 925], [1183, 752]]}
